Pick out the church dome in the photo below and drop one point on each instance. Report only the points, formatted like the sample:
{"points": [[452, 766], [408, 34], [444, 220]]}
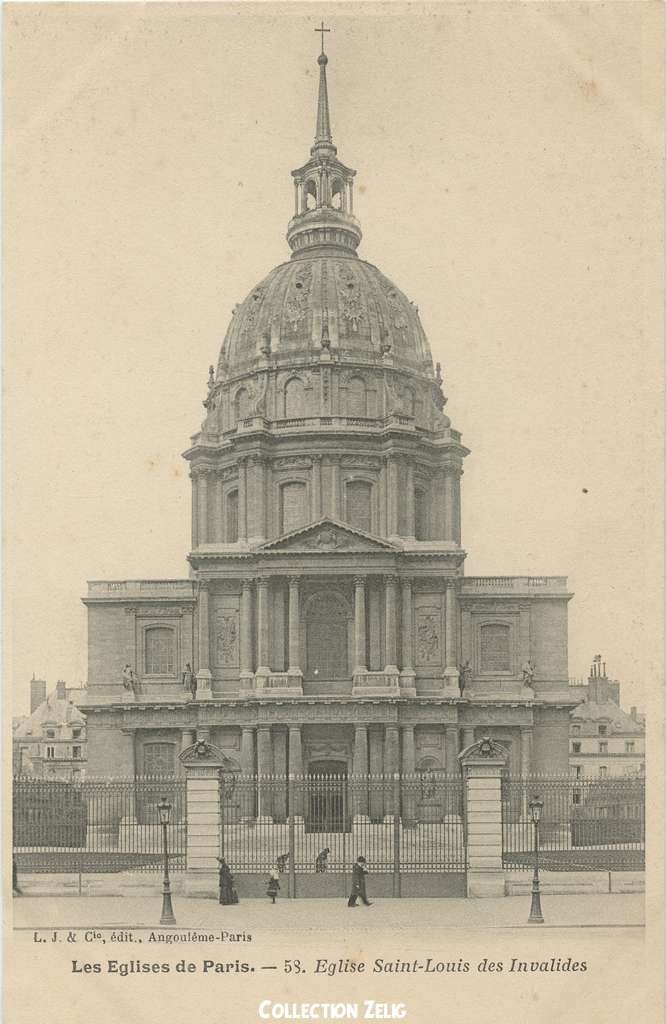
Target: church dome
{"points": [[322, 300]]}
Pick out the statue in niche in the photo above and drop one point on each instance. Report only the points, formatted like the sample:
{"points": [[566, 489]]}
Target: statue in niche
{"points": [[129, 679], [465, 676], [189, 680], [528, 671]]}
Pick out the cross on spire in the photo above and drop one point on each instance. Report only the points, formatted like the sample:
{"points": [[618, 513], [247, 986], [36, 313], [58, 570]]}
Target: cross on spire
{"points": [[322, 30]]}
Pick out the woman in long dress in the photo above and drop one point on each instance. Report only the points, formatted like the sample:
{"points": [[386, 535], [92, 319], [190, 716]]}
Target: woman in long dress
{"points": [[273, 884], [228, 894]]}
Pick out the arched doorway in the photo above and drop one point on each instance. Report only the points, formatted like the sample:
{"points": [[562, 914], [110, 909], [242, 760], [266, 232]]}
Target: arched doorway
{"points": [[327, 637], [327, 804]]}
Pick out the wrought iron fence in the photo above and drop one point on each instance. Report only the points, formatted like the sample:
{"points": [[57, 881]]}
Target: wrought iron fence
{"points": [[312, 824], [586, 824], [97, 825]]}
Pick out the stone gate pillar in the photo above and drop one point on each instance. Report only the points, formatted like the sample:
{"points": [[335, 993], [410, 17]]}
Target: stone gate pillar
{"points": [[203, 764], [482, 764]]}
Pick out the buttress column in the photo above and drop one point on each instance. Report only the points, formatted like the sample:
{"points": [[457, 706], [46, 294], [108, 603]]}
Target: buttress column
{"points": [[204, 674]]}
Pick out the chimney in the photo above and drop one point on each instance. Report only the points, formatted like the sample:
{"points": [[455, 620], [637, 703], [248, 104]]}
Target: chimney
{"points": [[37, 693], [61, 690]]}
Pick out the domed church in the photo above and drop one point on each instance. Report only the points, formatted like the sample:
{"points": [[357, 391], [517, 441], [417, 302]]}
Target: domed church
{"points": [[326, 624]]}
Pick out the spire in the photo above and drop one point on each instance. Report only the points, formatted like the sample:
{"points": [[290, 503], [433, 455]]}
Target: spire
{"points": [[323, 131]]}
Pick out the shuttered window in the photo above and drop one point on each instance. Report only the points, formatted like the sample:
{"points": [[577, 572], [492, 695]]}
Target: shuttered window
{"points": [[159, 652], [294, 507]]}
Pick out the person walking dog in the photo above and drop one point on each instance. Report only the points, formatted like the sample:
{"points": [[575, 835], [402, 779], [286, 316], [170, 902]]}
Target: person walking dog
{"points": [[359, 871]]}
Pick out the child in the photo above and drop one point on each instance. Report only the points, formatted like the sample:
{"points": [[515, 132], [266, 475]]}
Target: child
{"points": [[273, 884]]}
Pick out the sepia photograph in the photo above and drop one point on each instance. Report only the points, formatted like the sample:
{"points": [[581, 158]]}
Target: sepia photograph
{"points": [[333, 465]]}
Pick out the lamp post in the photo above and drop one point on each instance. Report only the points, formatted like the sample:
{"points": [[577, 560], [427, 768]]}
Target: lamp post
{"points": [[536, 808], [164, 811]]}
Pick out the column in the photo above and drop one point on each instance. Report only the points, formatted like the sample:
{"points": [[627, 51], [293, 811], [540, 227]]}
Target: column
{"points": [[376, 759], [360, 664], [218, 519], [360, 771], [409, 782], [375, 626], [451, 672], [264, 769], [316, 488], [127, 768], [248, 795], [257, 517], [457, 512], [391, 666], [296, 768], [203, 507], [263, 668], [246, 673], [242, 499], [448, 503], [391, 765], [383, 524], [187, 738], [451, 749], [296, 198], [280, 768], [407, 675], [335, 489], [195, 510], [392, 497], [526, 736], [409, 499], [468, 737], [203, 675], [294, 627]]}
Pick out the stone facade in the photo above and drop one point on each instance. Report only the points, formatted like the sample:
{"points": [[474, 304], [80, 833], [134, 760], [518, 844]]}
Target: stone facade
{"points": [[327, 620], [604, 739]]}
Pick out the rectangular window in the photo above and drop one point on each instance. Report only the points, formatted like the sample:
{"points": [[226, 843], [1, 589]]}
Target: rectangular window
{"points": [[575, 748], [50, 753], [495, 648], [76, 753], [50, 734], [603, 771], [629, 747], [579, 771], [76, 733], [603, 747], [603, 730], [294, 507], [575, 730], [160, 657]]}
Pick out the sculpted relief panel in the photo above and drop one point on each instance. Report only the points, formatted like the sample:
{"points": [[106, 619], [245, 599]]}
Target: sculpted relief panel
{"points": [[226, 635], [429, 636]]}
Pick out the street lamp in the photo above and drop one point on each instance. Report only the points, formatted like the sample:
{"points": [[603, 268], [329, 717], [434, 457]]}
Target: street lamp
{"points": [[164, 811], [536, 809]]}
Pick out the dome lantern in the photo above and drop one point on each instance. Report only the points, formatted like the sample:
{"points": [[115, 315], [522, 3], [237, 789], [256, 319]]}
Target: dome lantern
{"points": [[323, 189]]}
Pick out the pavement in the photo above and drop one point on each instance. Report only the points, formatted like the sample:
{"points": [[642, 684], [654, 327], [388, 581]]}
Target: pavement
{"points": [[306, 916]]}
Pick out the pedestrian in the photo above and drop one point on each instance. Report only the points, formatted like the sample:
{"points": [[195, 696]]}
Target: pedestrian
{"points": [[228, 894], [273, 884], [321, 863], [359, 871]]}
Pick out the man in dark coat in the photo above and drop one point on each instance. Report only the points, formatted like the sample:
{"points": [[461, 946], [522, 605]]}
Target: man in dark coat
{"points": [[359, 871]]}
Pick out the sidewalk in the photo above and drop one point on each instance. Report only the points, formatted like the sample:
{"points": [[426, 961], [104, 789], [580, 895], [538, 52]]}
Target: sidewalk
{"points": [[411, 917]]}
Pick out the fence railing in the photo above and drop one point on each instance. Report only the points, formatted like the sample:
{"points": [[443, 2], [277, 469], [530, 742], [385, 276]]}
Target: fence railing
{"points": [[97, 825], [586, 824]]}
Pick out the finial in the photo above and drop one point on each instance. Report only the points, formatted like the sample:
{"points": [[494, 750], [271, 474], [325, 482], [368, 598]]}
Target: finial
{"points": [[211, 377], [322, 30], [438, 371], [266, 343]]}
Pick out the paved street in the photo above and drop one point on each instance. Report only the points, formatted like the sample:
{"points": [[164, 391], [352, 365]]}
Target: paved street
{"points": [[306, 916]]}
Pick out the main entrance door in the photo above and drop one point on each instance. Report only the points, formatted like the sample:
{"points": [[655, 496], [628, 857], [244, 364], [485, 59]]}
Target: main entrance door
{"points": [[327, 807]]}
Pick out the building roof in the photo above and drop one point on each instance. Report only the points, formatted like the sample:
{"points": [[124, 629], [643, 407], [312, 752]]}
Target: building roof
{"points": [[619, 720], [53, 711]]}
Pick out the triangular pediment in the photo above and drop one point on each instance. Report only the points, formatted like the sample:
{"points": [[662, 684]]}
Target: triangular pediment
{"points": [[330, 536]]}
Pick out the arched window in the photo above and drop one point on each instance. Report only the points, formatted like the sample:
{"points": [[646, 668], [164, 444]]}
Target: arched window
{"points": [[232, 517], [420, 514], [242, 404], [310, 189], [159, 651], [294, 399], [338, 195], [359, 498], [495, 647], [356, 400], [293, 510]]}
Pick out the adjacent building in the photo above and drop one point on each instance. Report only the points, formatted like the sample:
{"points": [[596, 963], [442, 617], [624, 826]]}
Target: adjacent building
{"points": [[51, 742], [326, 624], [605, 740]]}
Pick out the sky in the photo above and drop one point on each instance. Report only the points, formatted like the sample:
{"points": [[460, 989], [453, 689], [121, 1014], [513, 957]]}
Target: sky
{"points": [[506, 155]]}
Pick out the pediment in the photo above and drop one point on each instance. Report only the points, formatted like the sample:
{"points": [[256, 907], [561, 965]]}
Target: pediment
{"points": [[330, 536], [205, 755]]}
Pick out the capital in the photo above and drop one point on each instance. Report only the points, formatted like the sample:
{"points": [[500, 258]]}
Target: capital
{"points": [[359, 581], [247, 583], [390, 579], [204, 586], [451, 582], [406, 582], [294, 581]]}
